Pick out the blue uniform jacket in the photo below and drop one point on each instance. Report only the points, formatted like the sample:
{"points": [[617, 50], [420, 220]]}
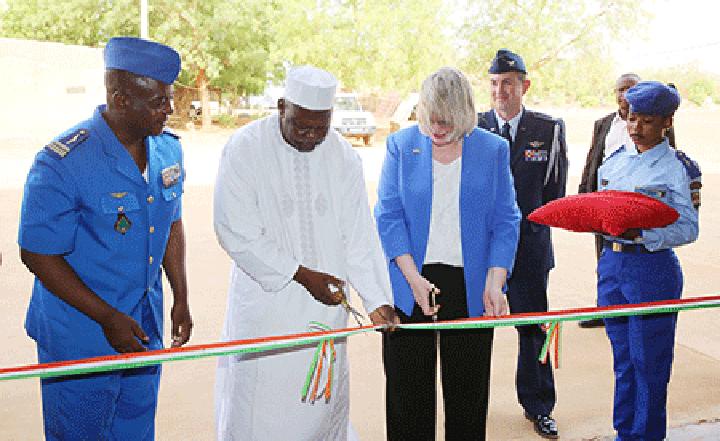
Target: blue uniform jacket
{"points": [[663, 173], [540, 173], [489, 216], [80, 192]]}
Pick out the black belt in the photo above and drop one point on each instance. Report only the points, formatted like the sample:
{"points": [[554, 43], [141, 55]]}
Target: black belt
{"points": [[625, 247]]}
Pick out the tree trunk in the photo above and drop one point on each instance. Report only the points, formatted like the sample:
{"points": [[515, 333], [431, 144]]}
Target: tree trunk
{"points": [[182, 100], [202, 84]]}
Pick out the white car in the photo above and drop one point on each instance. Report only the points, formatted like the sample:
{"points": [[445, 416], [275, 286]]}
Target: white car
{"points": [[406, 113], [351, 120]]}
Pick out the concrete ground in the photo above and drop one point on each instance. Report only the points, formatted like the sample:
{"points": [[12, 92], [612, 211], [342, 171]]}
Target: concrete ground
{"points": [[584, 380]]}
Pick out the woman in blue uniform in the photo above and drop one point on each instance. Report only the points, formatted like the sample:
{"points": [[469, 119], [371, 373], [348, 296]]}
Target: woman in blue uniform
{"points": [[640, 265]]}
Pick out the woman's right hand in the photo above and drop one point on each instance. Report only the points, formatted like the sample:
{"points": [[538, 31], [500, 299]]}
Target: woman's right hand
{"points": [[421, 289]]}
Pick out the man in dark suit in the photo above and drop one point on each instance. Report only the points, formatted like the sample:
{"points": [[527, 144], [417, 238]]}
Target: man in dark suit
{"points": [[538, 159], [609, 134]]}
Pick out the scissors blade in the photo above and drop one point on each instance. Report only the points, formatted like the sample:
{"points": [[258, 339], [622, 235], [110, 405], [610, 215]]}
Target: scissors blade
{"points": [[352, 311]]}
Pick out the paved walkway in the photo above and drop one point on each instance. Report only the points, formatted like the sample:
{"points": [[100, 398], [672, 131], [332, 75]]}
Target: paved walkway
{"points": [[584, 381]]}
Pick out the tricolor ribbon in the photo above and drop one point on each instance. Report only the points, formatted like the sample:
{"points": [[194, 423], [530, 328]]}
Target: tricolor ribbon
{"points": [[552, 336], [137, 359], [325, 350]]}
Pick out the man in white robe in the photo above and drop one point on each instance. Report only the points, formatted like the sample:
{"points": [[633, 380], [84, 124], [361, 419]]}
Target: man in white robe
{"points": [[292, 212]]}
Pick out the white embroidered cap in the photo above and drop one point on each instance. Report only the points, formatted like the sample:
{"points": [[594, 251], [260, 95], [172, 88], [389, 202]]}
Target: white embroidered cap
{"points": [[310, 88]]}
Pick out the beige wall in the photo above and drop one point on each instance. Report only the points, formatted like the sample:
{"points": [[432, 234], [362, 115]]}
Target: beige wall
{"points": [[47, 87]]}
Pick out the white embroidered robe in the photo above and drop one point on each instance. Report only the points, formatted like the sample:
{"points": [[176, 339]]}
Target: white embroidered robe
{"points": [[276, 208]]}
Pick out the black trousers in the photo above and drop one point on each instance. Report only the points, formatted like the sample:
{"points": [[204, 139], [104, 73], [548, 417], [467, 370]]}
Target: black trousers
{"points": [[410, 360], [527, 292]]}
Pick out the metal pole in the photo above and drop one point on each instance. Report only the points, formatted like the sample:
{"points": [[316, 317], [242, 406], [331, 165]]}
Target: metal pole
{"points": [[144, 19]]}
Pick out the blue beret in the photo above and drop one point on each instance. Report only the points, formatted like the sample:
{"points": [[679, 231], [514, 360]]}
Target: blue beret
{"points": [[507, 61], [142, 57], [652, 98]]}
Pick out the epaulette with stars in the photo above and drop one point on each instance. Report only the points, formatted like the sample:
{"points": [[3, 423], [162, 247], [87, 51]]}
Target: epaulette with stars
{"points": [[61, 147], [691, 166]]}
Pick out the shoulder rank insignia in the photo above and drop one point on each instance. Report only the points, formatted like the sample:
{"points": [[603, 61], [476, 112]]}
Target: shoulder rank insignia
{"points": [[540, 115], [61, 147], [171, 133], [170, 175], [619, 150], [691, 166]]}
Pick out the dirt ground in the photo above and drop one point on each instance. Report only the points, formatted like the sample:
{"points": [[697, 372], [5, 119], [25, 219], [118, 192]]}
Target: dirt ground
{"points": [[584, 381]]}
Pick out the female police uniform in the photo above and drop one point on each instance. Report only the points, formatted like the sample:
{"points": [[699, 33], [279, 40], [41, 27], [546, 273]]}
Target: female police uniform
{"points": [[645, 270]]}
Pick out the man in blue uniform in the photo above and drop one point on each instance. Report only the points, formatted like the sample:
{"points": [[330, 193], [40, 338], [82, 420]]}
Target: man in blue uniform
{"points": [[101, 215], [538, 160], [640, 265]]}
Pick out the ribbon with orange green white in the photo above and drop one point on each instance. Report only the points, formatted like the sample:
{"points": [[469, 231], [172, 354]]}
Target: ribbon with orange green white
{"points": [[137, 359]]}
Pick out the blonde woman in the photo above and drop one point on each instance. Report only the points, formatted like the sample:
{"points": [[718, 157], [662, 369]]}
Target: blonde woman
{"points": [[448, 223]]}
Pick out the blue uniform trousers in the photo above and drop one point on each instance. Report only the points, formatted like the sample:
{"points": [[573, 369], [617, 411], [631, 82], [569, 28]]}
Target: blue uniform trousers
{"points": [[119, 405], [642, 345]]}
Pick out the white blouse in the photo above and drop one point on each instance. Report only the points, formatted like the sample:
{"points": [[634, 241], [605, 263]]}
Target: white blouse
{"points": [[444, 238]]}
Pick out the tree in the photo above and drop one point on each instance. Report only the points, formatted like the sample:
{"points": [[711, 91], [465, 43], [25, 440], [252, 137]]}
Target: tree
{"points": [[379, 46], [564, 43], [223, 43], [82, 22], [368, 44], [691, 81]]}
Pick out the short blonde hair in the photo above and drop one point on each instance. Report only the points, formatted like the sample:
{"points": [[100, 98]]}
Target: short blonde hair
{"points": [[447, 95]]}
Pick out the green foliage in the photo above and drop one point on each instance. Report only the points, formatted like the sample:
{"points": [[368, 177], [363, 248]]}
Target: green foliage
{"points": [[368, 44], [702, 89], [377, 47], [563, 43], [693, 84], [83, 22], [226, 121], [227, 40], [223, 43]]}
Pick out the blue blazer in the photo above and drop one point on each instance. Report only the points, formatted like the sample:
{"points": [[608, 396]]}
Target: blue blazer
{"points": [[489, 215]]}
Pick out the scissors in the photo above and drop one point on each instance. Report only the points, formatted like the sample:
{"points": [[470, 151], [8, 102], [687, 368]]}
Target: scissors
{"points": [[433, 301], [357, 316]]}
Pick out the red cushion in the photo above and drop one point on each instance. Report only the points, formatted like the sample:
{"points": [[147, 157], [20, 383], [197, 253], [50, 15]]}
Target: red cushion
{"points": [[609, 211]]}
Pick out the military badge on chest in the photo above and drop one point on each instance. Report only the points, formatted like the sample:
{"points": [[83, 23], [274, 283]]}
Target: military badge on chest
{"points": [[535, 153], [123, 223]]}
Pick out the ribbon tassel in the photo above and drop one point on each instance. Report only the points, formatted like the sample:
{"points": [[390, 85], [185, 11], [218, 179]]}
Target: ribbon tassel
{"points": [[324, 350], [552, 331]]}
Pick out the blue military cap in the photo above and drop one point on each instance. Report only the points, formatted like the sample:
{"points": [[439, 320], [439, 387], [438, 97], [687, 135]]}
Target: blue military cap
{"points": [[507, 61], [652, 98], [143, 57]]}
